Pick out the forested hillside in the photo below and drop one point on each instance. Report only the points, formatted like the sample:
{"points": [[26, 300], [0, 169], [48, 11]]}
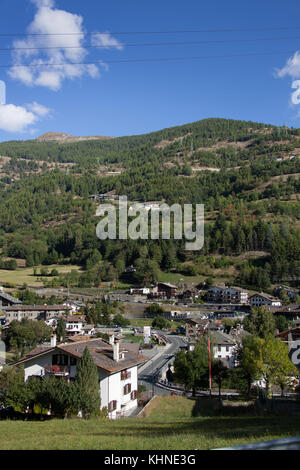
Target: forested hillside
{"points": [[246, 174]]}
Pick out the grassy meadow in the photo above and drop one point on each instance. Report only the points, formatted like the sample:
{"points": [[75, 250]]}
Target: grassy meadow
{"points": [[169, 425], [20, 276]]}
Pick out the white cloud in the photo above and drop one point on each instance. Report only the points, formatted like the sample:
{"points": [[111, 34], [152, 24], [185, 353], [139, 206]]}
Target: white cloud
{"points": [[38, 109], [19, 118], [43, 3], [105, 41], [51, 30], [15, 118]]}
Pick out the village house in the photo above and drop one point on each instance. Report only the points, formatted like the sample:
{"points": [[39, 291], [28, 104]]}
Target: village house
{"points": [[194, 327], [289, 336], [116, 363], [189, 294], [140, 291], [225, 345], [224, 348], [227, 295], [89, 330], [176, 315], [164, 290], [291, 293], [75, 305], [290, 312], [262, 299], [75, 325], [35, 312], [52, 322]]}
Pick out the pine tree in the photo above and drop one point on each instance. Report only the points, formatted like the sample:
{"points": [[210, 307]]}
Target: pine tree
{"points": [[87, 381], [61, 330]]}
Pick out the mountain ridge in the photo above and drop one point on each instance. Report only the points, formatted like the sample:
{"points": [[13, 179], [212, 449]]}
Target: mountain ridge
{"points": [[62, 137]]}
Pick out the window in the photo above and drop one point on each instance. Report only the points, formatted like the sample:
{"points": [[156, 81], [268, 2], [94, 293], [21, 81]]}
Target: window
{"points": [[125, 375], [227, 348], [112, 406], [73, 361], [59, 360], [127, 389], [133, 395]]}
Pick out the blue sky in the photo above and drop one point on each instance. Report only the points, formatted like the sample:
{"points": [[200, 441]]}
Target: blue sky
{"points": [[128, 98]]}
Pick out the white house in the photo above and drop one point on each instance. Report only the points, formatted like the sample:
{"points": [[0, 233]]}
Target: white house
{"points": [[116, 362], [52, 322], [75, 325], [224, 348], [75, 305], [262, 299], [140, 291]]}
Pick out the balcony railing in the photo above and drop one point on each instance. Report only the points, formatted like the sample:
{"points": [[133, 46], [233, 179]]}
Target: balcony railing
{"points": [[57, 370]]}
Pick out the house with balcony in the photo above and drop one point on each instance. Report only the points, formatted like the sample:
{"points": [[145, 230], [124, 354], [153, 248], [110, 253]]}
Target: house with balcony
{"points": [[290, 312], [227, 295], [195, 327], [264, 300], [116, 362], [164, 290], [75, 325]]}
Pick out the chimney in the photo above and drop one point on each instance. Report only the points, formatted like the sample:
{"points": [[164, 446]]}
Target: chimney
{"points": [[116, 349], [53, 341], [111, 338]]}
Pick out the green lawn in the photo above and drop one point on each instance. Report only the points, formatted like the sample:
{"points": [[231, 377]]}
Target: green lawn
{"points": [[140, 322], [178, 278], [170, 425], [25, 275]]}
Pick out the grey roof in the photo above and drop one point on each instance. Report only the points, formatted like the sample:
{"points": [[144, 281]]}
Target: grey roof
{"points": [[38, 308], [167, 284], [266, 296], [101, 351], [222, 338], [9, 298]]}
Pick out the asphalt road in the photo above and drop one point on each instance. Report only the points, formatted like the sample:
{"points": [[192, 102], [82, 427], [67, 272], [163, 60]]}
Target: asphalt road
{"points": [[149, 372]]}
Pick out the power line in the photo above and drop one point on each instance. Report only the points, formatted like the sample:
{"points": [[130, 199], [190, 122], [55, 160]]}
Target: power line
{"points": [[162, 59], [232, 30], [178, 43]]}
